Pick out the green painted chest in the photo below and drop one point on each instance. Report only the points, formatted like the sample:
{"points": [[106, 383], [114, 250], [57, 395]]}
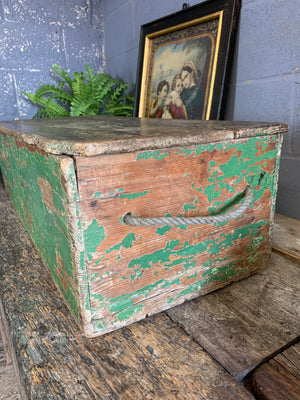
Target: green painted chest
{"points": [[134, 216]]}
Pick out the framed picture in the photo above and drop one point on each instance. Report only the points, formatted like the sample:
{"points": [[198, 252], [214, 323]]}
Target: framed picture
{"points": [[184, 62]]}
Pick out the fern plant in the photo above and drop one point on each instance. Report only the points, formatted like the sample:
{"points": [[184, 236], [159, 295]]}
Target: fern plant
{"points": [[86, 93]]}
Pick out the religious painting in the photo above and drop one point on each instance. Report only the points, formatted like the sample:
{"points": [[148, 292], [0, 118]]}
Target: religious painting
{"points": [[184, 63]]}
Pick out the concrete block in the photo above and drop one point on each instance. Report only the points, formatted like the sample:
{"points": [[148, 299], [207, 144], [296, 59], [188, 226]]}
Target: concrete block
{"points": [[8, 106], [124, 67], [13, 104], [96, 12], [295, 142], [148, 11], [268, 39], [266, 100], [113, 5], [288, 198], [83, 46], [1, 12], [50, 12], [118, 28], [25, 46], [29, 82]]}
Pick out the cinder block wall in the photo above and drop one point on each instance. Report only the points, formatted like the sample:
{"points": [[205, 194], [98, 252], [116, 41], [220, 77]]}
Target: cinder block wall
{"points": [[265, 84], [35, 34]]}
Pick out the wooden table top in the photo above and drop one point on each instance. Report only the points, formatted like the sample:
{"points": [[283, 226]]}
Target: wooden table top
{"points": [[203, 349]]}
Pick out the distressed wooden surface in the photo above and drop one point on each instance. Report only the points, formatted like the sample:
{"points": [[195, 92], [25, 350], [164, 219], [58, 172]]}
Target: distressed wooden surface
{"points": [[279, 379], [43, 189], [153, 359], [286, 237], [94, 135], [138, 271], [244, 324], [112, 274]]}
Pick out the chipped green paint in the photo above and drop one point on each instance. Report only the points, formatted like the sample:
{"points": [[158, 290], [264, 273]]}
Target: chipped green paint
{"points": [[125, 314], [93, 236], [220, 274], [211, 164], [198, 149], [101, 325], [132, 196], [93, 276], [127, 243], [82, 260], [157, 155], [188, 207], [35, 181], [243, 160], [161, 231], [227, 271], [276, 176], [176, 253], [186, 253], [250, 157]]}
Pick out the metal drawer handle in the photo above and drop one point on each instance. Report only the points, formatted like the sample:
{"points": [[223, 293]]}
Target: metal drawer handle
{"points": [[129, 219]]}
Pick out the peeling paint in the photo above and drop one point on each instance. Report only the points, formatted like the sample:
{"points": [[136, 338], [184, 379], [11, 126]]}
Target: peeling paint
{"points": [[132, 196], [40, 198], [157, 155]]}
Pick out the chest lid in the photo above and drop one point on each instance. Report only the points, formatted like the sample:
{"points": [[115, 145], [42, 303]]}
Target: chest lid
{"points": [[96, 135]]}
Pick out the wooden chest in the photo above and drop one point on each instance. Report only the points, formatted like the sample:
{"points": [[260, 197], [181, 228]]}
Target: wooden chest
{"points": [[73, 182]]}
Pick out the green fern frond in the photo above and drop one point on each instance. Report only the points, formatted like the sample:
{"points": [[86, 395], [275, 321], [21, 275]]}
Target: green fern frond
{"points": [[63, 74], [52, 108], [80, 108], [104, 89], [91, 81], [124, 110], [86, 93]]}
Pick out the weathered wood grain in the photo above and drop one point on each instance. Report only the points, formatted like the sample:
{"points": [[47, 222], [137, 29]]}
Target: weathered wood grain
{"points": [[43, 190], [138, 271], [279, 379], [245, 323], [11, 386], [286, 237], [112, 274], [94, 135], [153, 359]]}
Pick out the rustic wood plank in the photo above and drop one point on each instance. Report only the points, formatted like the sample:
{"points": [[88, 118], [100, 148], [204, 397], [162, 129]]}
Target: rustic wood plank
{"points": [[153, 359], [138, 271], [243, 324], [11, 386], [98, 134], [286, 237], [279, 379]]}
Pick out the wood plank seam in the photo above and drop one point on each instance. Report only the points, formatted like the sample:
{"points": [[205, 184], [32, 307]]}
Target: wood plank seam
{"points": [[286, 254], [10, 353], [248, 377], [181, 326]]}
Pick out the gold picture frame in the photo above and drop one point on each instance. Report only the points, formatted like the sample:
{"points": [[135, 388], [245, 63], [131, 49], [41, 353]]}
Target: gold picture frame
{"points": [[184, 62]]}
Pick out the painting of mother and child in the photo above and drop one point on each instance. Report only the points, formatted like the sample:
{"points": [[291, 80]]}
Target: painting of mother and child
{"points": [[180, 80]]}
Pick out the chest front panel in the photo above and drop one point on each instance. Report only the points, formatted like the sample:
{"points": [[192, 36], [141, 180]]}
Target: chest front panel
{"points": [[137, 271]]}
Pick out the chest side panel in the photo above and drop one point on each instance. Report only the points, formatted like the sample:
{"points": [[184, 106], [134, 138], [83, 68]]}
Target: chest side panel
{"points": [[137, 271], [40, 185]]}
